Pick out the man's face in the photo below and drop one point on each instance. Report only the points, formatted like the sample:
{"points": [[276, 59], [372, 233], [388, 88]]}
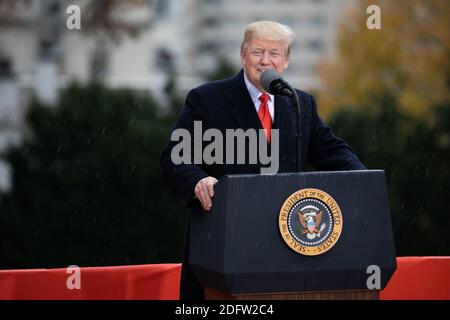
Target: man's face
{"points": [[262, 54]]}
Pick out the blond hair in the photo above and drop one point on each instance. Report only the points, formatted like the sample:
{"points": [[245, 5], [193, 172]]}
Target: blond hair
{"points": [[269, 30]]}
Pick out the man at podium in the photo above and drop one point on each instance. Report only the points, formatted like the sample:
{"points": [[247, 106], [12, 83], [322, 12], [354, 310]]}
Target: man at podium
{"points": [[241, 102]]}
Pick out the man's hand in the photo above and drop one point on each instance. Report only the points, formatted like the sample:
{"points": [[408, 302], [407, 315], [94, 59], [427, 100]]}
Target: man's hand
{"points": [[204, 191]]}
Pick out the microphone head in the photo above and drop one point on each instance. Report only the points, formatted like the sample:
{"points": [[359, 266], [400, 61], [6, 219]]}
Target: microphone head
{"points": [[266, 79]]}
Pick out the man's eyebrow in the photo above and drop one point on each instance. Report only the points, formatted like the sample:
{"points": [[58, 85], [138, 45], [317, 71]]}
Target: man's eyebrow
{"points": [[271, 50]]}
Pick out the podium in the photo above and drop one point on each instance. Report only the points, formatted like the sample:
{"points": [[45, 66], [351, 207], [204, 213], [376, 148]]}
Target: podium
{"points": [[315, 235]]}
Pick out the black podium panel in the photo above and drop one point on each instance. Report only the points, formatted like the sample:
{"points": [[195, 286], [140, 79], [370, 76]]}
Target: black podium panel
{"points": [[238, 248]]}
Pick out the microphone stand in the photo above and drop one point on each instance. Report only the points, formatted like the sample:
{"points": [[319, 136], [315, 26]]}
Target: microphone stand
{"points": [[285, 89], [298, 110]]}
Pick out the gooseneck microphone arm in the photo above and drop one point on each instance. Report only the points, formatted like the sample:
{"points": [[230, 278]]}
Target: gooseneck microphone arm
{"points": [[273, 84], [299, 131], [294, 97]]}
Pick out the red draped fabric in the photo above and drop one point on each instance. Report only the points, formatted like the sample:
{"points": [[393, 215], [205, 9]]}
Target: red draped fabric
{"points": [[419, 278], [157, 281], [415, 278]]}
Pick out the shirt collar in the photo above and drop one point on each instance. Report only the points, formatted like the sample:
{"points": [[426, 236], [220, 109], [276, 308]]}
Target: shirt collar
{"points": [[254, 91]]}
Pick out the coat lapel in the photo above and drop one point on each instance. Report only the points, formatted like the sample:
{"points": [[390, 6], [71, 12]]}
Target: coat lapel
{"points": [[241, 105]]}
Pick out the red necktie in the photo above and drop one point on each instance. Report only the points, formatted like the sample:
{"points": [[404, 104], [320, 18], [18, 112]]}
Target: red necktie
{"points": [[264, 114]]}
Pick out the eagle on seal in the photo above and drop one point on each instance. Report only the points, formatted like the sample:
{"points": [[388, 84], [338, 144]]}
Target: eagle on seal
{"points": [[311, 221]]}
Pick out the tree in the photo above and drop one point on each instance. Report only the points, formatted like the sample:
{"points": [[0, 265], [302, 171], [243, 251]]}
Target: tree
{"points": [[377, 92], [100, 14], [416, 158], [87, 188], [408, 58], [223, 70]]}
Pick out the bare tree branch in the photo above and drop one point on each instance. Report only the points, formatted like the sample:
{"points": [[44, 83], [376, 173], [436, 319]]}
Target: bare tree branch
{"points": [[11, 9], [97, 15]]}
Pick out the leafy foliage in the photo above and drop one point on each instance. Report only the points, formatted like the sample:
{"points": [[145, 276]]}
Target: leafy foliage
{"points": [[416, 158], [408, 57], [87, 185]]}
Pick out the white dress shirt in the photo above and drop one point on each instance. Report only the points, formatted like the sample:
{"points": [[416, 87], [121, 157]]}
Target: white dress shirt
{"points": [[255, 94]]}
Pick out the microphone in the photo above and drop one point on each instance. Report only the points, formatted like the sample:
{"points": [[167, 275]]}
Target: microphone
{"points": [[273, 84]]}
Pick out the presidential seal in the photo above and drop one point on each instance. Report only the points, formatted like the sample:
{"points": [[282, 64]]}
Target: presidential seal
{"points": [[310, 222]]}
